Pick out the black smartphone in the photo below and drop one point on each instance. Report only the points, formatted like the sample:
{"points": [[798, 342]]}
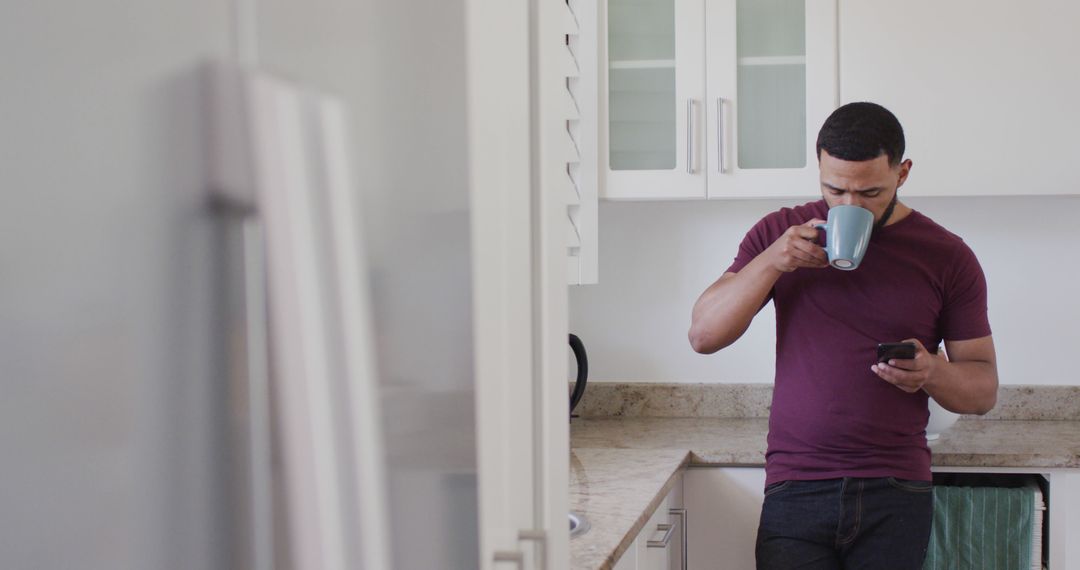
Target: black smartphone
{"points": [[898, 350]]}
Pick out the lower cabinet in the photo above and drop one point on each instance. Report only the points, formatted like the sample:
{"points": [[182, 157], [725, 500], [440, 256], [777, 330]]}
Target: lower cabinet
{"points": [[726, 506], [661, 544], [726, 503]]}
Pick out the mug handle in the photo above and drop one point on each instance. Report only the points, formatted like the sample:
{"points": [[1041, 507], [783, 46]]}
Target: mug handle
{"points": [[820, 227]]}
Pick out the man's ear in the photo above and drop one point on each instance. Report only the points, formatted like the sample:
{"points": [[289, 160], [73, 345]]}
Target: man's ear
{"points": [[905, 169]]}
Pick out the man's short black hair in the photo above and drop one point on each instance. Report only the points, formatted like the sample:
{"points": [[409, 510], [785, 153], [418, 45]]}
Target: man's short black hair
{"points": [[862, 131]]}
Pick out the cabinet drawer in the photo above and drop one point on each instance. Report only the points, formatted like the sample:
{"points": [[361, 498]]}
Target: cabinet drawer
{"points": [[657, 540]]}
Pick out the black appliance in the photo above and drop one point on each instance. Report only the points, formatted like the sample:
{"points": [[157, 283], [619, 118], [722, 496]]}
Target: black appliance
{"points": [[582, 371]]}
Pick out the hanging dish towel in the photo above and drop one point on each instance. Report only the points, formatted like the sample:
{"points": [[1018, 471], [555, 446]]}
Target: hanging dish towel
{"points": [[985, 527]]}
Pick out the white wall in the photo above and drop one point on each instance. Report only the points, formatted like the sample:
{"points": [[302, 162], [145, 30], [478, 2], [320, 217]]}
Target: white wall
{"points": [[657, 257]]}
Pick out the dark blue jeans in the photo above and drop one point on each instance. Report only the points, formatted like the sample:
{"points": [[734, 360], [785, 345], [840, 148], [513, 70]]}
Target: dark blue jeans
{"points": [[849, 523]]}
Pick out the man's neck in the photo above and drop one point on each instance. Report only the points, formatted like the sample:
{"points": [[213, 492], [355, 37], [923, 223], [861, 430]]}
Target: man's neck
{"points": [[892, 214], [900, 212]]}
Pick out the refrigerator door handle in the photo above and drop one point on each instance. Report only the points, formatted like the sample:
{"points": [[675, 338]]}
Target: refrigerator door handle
{"points": [[261, 509]]}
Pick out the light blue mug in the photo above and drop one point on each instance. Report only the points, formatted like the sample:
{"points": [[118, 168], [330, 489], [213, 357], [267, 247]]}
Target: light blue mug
{"points": [[847, 235]]}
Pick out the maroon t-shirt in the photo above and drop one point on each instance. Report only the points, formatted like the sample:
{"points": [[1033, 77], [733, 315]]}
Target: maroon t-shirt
{"points": [[831, 415]]}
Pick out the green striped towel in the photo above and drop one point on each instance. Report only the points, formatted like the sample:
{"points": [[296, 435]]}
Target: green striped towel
{"points": [[981, 528]]}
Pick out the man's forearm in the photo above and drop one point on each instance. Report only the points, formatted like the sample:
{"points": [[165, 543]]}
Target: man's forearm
{"points": [[967, 387]]}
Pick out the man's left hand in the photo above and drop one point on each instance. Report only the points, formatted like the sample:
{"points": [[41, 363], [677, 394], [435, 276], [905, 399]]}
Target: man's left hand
{"points": [[910, 375]]}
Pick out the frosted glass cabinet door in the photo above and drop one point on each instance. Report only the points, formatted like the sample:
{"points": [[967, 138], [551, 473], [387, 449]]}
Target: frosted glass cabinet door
{"points": [[771, 82], [652, 109]]}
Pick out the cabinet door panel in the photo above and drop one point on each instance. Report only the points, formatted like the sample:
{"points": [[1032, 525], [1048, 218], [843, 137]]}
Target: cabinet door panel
{"points": [[652, 108], [986, 90], [628, 561], [655, 557], [726, 505], [675, 501], [770, 83]]}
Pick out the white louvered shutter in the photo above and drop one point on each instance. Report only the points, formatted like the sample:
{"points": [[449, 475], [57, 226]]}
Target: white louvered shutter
{"points": [[580, 38]]}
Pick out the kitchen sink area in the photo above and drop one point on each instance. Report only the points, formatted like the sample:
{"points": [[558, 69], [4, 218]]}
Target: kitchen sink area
{"points": [[579, 525]]}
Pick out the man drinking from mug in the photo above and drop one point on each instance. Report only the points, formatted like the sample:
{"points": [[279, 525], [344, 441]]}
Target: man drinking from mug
{"points": [[848, 467]]}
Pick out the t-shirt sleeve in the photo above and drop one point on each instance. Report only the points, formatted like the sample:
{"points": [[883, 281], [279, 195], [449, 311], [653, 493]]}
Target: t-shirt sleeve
{"points": [[756, 241], [965, 309]]}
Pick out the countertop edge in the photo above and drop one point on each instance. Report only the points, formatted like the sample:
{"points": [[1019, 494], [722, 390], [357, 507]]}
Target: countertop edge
{"points": [[639, 524]]}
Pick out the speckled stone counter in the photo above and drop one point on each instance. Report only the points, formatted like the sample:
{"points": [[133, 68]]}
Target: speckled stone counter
{"points": [[715, 400], [617, 490], [721, 441], [622, 467], [727, 441]]}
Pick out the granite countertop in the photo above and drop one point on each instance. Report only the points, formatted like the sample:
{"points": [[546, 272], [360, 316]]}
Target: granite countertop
{"points": [[622, 467], [617, 490], [729, 441]]}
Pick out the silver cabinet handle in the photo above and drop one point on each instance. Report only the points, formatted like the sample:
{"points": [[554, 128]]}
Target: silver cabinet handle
{"points": [[540, 537], [518, 557], [681, 513], [663, 542], [690, 122], [720, 135], [537, 535], [506, 556]]}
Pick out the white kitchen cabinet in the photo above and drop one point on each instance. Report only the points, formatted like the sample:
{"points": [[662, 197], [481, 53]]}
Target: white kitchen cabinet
{"points": [[518, 215], [771, 82], [628, 561], [580, 105], [661, 543], [726, 503], [679, 515], [714, 98], [652, 92], [656, 540], [986, 90]]}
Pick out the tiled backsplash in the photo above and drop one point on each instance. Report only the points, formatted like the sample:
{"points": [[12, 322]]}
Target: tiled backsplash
{"points": [[1025, 402]]}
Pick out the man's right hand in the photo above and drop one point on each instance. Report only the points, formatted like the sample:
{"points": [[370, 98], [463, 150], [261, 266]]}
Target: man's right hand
{"points": [[797, 248]]}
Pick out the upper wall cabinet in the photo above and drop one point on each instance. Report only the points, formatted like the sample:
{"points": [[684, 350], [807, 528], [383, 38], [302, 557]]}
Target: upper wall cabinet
{"points": [[987, 91], [771, 82], [651, 99], [714, 98]]}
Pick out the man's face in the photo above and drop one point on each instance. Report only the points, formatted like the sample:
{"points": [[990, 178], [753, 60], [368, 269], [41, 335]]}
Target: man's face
{"points": [[870, 184]]}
